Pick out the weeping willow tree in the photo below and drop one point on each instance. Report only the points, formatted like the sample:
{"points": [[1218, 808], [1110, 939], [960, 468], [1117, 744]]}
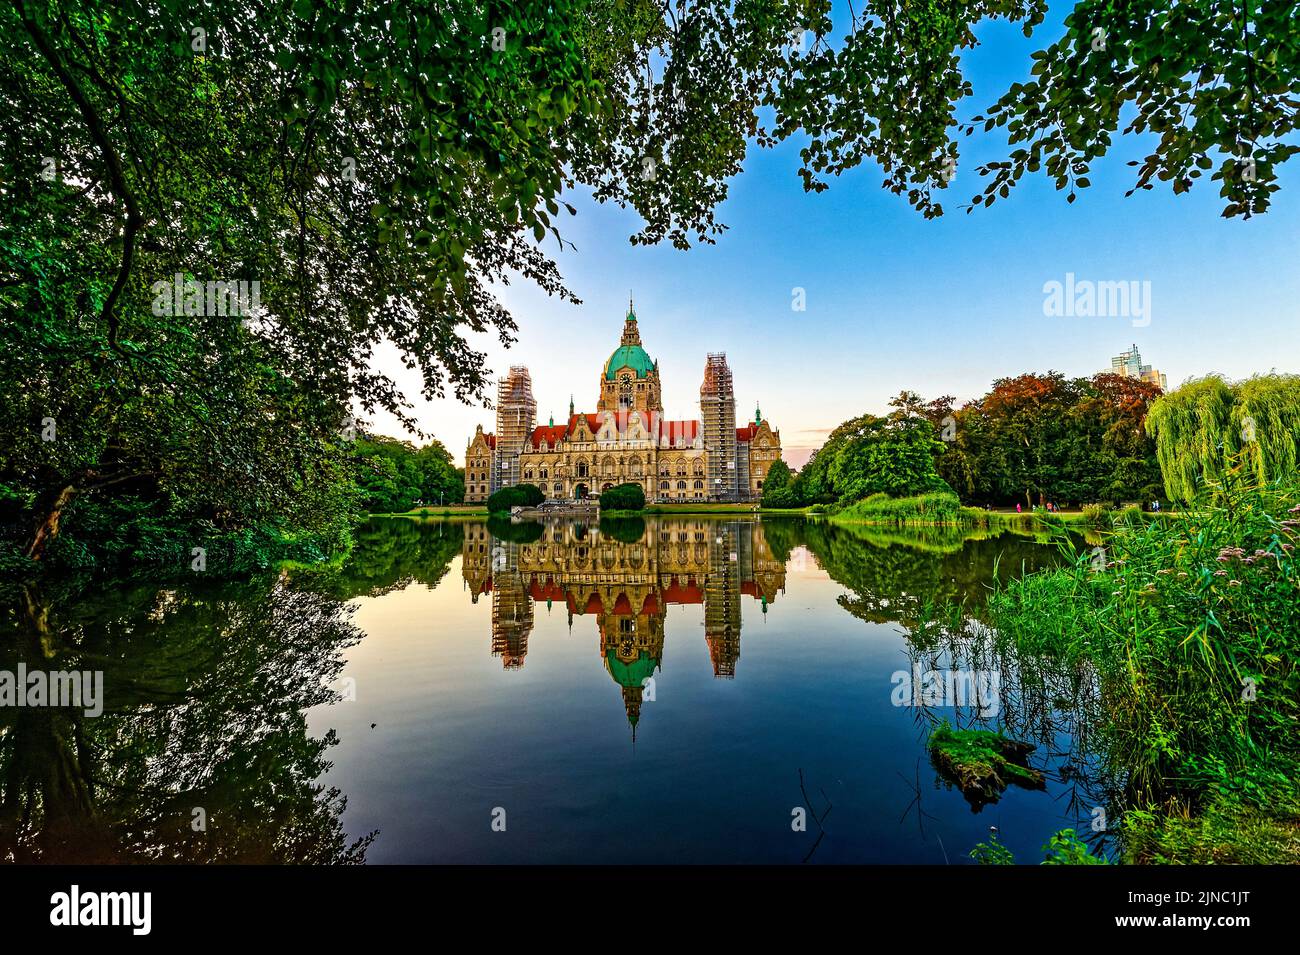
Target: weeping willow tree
{"points": [[1267, 418], [1210, 427]]}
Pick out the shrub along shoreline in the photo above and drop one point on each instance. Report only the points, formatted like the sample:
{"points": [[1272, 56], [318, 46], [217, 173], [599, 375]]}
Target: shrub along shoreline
{"points": [[1192, 629], [944, 509]]}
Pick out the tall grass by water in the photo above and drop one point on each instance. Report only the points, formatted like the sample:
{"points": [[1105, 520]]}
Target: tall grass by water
{"points": [[943, 508], [1192, 628]]}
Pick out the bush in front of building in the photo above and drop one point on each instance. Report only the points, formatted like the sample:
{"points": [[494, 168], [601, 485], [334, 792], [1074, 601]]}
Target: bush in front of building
{"points": [[515, 532], [625, 530], [624, 497], [521, 495]]}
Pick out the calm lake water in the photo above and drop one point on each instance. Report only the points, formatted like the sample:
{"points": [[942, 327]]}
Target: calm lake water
{"points": [[648, 691]]}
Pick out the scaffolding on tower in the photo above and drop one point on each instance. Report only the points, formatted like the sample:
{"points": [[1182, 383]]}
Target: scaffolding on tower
{"points": [[718, 416], [516, 414]]}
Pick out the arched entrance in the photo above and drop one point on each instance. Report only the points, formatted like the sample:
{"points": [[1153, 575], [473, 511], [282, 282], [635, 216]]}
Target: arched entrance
{"points": [[606, 487], [580, 492]]}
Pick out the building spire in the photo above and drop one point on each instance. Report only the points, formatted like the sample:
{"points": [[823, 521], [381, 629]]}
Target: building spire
{"points": [[570, 406], [631, 312], [758, 414], [631, 335]]}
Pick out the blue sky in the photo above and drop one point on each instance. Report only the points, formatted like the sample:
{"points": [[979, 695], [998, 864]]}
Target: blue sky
{"points": [[895, 301]]}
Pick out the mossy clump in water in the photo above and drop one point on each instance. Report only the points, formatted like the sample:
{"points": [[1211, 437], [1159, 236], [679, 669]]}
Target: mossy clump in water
{"points": [[981, 763]]}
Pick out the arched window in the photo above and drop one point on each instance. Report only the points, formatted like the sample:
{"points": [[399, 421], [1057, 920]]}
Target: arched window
{"points": [[582, 469], [681, 485], [663, 485], [699, 485]]}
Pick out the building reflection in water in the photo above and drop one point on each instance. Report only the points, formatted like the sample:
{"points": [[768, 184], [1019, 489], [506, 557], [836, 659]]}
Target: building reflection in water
{"points": [[625, 574]]}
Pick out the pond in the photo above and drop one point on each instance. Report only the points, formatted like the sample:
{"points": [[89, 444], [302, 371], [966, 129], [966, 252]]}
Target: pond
{"points": [[663, 690]]}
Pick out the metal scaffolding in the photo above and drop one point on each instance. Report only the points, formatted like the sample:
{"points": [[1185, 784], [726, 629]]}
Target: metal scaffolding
{"points": [[722, 602], [718, 415], [512, 607], [516, 414]]}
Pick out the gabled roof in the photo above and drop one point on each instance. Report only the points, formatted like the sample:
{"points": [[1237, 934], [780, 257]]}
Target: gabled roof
{"points": [[687, 430], [593, 422], [747, 433], [548, 434], [593, 604], [622, 419], [546, 591], [676, 593]]}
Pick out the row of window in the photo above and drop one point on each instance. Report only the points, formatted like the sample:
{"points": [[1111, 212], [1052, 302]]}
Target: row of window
{"points": [[585, 471]]}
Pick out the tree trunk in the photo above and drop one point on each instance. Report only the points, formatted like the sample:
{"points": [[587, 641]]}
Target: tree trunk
{"points": [[48, 528]]}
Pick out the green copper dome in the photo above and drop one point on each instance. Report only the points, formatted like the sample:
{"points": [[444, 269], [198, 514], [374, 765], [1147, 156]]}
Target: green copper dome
{"points": [[629, 356], [630, 674]]}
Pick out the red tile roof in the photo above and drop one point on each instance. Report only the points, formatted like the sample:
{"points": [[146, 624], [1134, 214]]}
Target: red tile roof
{"points": [[593, 604], [676, 593], [593, 422], [546, 591], [747, 432], [548, 434], [688, 431]]}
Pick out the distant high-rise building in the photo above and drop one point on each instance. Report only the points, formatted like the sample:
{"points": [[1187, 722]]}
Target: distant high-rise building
{"points": [[1129, 364]]}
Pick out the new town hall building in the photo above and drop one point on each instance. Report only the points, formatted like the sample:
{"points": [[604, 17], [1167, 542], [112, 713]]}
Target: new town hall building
{"points": [[627, 440]]}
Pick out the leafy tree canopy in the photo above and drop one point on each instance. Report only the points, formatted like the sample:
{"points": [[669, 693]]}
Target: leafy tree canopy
{"points": [[393, 476], [1210, 429], [623, 497], [378, 168], [519, 495]]}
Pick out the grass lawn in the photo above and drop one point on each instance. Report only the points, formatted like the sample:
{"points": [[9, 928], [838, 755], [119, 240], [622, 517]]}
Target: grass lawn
{"points": [[447, 510]]}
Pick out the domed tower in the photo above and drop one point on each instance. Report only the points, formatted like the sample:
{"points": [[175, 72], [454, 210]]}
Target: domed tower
{"points": [[630, 379]]}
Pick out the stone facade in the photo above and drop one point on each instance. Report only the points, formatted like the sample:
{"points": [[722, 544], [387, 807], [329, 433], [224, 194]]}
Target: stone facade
{"points": [[626, 587], [627, 440]]}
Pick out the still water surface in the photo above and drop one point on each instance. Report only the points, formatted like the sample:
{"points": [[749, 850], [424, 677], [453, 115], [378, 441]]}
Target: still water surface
{"points": [[657, 691]]}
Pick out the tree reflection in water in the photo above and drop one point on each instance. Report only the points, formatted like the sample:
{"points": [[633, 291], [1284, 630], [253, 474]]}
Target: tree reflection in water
{"points": [[207, 683], [202, 752]]}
